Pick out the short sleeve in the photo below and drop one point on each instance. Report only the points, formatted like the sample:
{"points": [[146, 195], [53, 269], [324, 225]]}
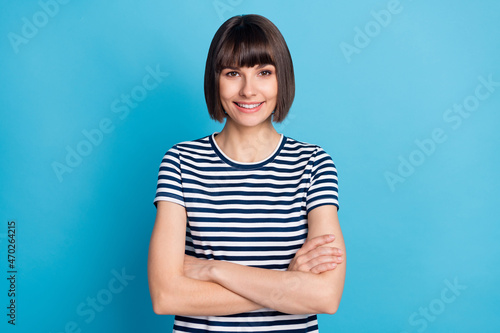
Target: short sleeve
{"points": [[169, 185], [323, 187]]}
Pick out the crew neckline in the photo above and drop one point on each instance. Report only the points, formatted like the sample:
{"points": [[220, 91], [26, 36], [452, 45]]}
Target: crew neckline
{"points": [[246, 165]]}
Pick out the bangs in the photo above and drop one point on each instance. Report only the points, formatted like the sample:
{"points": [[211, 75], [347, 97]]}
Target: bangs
{"points": [[245, 46]]}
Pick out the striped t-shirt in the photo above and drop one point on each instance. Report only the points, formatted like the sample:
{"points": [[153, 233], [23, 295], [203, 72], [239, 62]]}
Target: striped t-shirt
{"points": [[253, 214]]}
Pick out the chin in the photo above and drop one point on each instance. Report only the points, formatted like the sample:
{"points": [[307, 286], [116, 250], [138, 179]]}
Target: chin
{"points": [[251, 122]]}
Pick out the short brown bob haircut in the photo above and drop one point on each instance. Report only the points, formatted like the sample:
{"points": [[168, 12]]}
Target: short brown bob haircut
{"points": [[246, 41]]}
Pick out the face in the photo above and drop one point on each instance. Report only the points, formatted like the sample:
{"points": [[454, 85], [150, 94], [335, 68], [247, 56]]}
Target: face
{"points": [[249, 94]]}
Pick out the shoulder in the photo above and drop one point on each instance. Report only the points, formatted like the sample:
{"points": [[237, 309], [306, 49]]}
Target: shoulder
{"points": [[191, 146], [300, 146], [304, 148], [198, 143]]}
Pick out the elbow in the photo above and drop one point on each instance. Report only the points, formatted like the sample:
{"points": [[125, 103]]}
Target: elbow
{"points": [[158, 304], [330, 293], [164, 296], [330, 303], [330, 308], [158, 309], [162, 304]]}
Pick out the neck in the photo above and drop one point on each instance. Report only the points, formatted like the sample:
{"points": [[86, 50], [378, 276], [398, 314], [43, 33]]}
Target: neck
{"points": [[247, 144]]}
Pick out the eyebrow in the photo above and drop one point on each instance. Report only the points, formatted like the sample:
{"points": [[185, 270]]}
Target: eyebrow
{"points": [[237, 68]]}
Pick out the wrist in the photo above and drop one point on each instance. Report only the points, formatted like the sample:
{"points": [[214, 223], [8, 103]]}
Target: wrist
{"points": [[213, 270]]}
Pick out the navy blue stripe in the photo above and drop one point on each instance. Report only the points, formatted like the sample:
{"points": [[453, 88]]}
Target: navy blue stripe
{"points": [[322, 189], [165, 177], [322, 204], [244, 202], [245, 211], [170, 195], [288, 257], [247, 248], [252, 324], [247, 238], [248, 220], [298, 179], [246, 229], [257, 194], [327, 181], [215, 167]]}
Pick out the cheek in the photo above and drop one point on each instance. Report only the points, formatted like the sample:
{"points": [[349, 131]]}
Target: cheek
{"points": [[271, 89], [226, 90]]}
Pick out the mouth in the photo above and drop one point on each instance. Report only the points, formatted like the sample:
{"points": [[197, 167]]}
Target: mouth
{"points": [[248, 107]]}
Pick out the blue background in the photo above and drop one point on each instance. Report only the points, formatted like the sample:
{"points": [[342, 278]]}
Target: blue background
{"points": [[407, 242]]}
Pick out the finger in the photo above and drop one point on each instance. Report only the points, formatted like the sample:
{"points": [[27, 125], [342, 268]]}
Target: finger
{"points": [[323, 268], [334, 253], [319, 251], [305, 265], [323, 260], [315, 242]]}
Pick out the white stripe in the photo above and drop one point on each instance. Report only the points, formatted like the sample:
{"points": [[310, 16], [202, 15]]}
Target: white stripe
{"points": [[250, 205], [249, 244], [225, 174], [169, 199], [246, 233], [251, 328], [245, 198], [253, 253], [245, 225], [256, 318], [234, 187], [319, 193], [247, 216]]}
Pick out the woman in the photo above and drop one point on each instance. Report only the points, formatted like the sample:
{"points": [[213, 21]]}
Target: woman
{"points": [[246, 236]]}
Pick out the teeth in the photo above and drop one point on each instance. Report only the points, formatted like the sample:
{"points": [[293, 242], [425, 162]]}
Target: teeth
{"points": [[248, 106]]}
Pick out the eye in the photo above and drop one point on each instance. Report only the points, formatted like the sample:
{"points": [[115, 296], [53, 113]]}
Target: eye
{"points": [[266, 72], [232, 74]]}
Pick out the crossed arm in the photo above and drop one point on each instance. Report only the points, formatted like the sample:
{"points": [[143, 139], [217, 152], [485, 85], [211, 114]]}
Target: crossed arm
{"points": [[185, 285]]}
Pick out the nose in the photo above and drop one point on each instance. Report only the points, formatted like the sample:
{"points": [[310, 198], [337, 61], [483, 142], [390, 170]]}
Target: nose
{"points": [[247, 87]]}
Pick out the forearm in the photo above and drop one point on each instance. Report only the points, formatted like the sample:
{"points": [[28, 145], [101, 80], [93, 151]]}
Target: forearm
{"points": [[190, 297], [290, 292]]}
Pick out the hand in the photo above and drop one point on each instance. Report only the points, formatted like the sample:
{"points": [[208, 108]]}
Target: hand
{"points": [[196, 268], [311, 257]]}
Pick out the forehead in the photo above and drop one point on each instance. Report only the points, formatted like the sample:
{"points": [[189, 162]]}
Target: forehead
{"points": [[244, 52], [255, 67]]}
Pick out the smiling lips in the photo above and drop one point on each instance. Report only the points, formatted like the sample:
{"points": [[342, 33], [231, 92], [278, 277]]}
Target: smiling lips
{"points": [[248, 107]]}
